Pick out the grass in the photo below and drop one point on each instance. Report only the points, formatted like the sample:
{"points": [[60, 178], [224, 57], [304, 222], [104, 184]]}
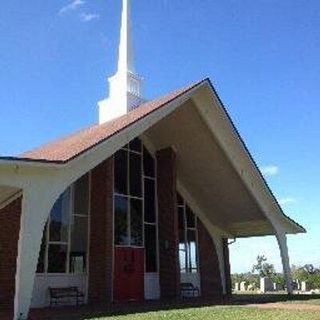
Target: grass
{"points": [[276, 297], [311, 301], [250, 307], [219, 313]]}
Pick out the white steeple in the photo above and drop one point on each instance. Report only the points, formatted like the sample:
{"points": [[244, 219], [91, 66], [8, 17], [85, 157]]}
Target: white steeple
{"points": [[125, 86]]}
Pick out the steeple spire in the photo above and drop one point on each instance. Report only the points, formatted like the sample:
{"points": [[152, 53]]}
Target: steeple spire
{"points": [[125, 62], [125, 85]]}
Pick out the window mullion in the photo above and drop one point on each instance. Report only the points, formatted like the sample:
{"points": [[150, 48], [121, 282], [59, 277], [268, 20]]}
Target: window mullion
{"points": [[129, 200], [71, 208], [142, 181], [185, 237], [47, 245]]}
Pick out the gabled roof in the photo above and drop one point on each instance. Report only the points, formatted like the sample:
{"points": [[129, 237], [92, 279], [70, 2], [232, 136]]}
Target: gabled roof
{"points": [[63, 150], [71, 146]]}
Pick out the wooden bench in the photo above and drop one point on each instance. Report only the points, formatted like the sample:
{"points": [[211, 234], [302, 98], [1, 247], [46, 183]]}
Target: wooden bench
{"points": [[57, 294], [189, 288]]}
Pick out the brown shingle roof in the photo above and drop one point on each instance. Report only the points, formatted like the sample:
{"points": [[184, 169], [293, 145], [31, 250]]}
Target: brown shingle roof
{"points": [[69, 147]]}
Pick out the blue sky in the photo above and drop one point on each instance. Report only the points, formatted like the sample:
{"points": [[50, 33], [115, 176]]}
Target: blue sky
{"points": [[262, 55]]}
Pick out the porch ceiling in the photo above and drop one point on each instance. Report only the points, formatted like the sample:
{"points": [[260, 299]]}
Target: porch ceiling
{"points": [[207, 174]]}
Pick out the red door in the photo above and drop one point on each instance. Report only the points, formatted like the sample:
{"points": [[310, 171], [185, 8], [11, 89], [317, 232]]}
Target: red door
{"points": [[129, 274]]}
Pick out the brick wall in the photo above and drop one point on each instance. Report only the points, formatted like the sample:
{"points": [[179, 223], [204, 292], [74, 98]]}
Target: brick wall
{"points": [[227, 268], [168, 223], [209, 264], [9, 236], [101, 234]]}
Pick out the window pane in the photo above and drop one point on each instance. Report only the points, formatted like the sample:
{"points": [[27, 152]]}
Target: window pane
{"points": [[180, 199], [121, 172], [41, 259], [191, 221], [192, 251], [148, 164], [181, 218], [81, 196], [149, 201], [59, 223], [57, 257], [135, 175], [136, 222], [121, 220], [79, 244], [135, 145], [182, 251], [151, 248]]}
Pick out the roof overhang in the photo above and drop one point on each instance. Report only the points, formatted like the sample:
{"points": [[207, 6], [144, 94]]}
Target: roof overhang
{"points": [[214, 164]]}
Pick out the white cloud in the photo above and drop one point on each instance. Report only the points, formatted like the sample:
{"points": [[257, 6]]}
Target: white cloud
{"points": [[288, 200], [87, 17], [73, 5], [270, 170]]}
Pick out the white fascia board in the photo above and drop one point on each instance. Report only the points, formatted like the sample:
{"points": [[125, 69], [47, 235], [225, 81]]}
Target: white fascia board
{"points": [[229, 139], [24, 162]]}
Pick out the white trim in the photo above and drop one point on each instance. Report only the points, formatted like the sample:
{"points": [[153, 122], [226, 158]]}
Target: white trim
{"points": [[225, 133]]}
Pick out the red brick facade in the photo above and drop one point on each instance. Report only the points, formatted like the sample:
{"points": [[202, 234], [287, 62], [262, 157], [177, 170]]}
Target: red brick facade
{"points": [[168, 224], [9, 236], [209, 264], [101, 239], [101, 234]]}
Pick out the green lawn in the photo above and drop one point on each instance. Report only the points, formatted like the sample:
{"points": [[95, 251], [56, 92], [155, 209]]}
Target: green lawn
{"points": [[219, 313]]}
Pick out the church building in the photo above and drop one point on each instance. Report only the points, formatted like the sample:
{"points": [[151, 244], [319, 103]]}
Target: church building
{"points": [[140, 206]]}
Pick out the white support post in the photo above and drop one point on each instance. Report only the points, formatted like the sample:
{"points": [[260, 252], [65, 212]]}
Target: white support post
{"points": [[36, 205], [282, 241], [218, 242]]}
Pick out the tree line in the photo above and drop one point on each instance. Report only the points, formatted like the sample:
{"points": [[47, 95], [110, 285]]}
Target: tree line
{"points": [[262, 268]]}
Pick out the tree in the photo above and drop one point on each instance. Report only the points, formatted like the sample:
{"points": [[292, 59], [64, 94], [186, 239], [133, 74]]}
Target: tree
{"points": [[307, 273], [263, 268], [248, 278]]}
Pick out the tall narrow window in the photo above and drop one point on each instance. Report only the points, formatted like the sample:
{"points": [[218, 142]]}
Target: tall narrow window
{"points": [[128, 199], [135, 219], [136, 222], [59, 219], [79, 226], [59, 234], [135, 175], [188, 253], [65, 238], [121, 172], [150, 217], [121, 220]]}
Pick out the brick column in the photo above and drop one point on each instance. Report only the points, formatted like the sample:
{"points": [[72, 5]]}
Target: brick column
{"points": [[227, 269], [9, 236], [209, 264], [101, 234], [168, 224]]}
